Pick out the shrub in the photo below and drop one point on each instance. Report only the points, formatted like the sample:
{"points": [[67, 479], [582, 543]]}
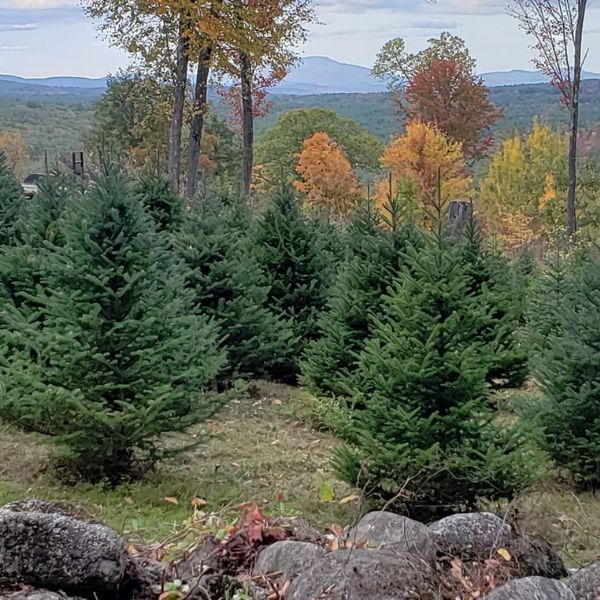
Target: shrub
{"points": [[111, 356]]}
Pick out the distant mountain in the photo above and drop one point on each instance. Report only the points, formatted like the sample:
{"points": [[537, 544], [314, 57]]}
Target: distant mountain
{"points": [[314, 75], [65, 82], [322, 75], [520, 77]]}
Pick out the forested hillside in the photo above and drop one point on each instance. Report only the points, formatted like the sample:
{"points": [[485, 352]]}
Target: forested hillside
{"points": [[59, 121]]}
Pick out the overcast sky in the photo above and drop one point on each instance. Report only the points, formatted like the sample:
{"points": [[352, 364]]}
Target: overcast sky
{"points": [[53, 37]]}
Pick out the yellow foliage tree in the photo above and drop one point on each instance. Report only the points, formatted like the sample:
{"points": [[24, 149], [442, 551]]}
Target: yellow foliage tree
{"points": [[326, 177], [523, 194], [16, 151], [417, 157]]}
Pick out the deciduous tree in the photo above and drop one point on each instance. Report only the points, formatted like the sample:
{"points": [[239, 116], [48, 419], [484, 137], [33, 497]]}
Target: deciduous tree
{"points": [[326, 177], [557, 28], [446, 94], [422, 155], [15, 151]]}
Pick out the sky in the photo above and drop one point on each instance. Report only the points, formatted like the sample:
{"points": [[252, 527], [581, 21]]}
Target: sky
{"points": [[40, 38]]}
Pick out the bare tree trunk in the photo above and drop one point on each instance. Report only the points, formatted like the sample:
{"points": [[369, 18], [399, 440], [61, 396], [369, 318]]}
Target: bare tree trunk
{"points": [[247, 123], [574, 127], [197, 125], [181, 73]]}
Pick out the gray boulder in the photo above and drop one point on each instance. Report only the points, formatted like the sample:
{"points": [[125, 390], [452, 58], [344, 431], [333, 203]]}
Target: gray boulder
{"points": [[532, 588], [288, 558], [478, 536], [59, 552], [393, 533], [585, 583], [472, 536], [36, 595], [51, 507], [366, 575]]}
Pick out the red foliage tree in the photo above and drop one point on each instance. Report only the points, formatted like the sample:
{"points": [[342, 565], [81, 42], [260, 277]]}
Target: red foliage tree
{"points": [[449, 95]]}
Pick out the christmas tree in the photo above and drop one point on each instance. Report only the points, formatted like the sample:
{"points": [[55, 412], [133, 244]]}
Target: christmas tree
{"points": [[493, 279], [425, 434], [375, 259], [228, 284], [111, 356], [10, 203], [568, 369], [160, 201], [299, 258]]}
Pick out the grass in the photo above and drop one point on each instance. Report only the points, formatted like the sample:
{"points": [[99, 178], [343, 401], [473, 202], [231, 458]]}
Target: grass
{"points": [[261, 449], [264, 448]]}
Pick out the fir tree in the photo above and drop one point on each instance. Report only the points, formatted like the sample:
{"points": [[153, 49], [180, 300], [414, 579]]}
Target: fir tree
{"points": [[568, 369], [297, 256], [425, 433], [160, 201], [374, 261], [229, 285], [492, 278], [111, 357], [10, 203]]}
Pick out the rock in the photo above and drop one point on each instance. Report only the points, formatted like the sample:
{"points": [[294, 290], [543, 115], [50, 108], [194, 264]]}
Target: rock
{"points": [[532, 588], [288, 558], [51, 507], [362, 574], [141, 576], [59, 552], [585, 583], [37, 595], [303, 532], [394, 533], [478, 536], [472, 536]]}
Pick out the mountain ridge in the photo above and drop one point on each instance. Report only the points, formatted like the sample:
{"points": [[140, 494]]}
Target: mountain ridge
{"points": [[312, 76]]}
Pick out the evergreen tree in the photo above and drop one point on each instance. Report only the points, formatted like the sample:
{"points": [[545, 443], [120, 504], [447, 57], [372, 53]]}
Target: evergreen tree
{"points": [[492, 278], [111, 356], [568, 369], [295, 252], [10, 202], [160, 201], [374, 261], [229, 285], [425, 433]]}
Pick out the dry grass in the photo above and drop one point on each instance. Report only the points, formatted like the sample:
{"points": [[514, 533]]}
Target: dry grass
{"points": [[260, 449], [264, 448]]}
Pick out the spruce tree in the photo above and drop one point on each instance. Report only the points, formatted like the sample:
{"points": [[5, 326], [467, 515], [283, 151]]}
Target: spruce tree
{"points": [[295, 252], [10, 203], [228, 284], [425, 433], [156, 195], [111, 356], [374, 261], [492, 278], [568, 370]]}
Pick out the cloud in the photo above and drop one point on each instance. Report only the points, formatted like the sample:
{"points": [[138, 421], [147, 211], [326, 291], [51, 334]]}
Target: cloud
{"points": [[17, 27], [39, 4], [455, 7], [14, 48]]}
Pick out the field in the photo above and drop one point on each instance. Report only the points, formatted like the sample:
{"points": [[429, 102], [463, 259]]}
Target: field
{"points": [[265, 447]]}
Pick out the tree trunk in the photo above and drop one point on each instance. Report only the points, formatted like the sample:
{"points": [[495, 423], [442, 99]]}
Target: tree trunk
{"points": [[574, 126], [181, 73], [197, 125], [247, 123]]}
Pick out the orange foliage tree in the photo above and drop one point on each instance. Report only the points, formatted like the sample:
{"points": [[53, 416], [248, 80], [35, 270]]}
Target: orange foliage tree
{"points": [[16, 152], [418, 156], [326, 177]]}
